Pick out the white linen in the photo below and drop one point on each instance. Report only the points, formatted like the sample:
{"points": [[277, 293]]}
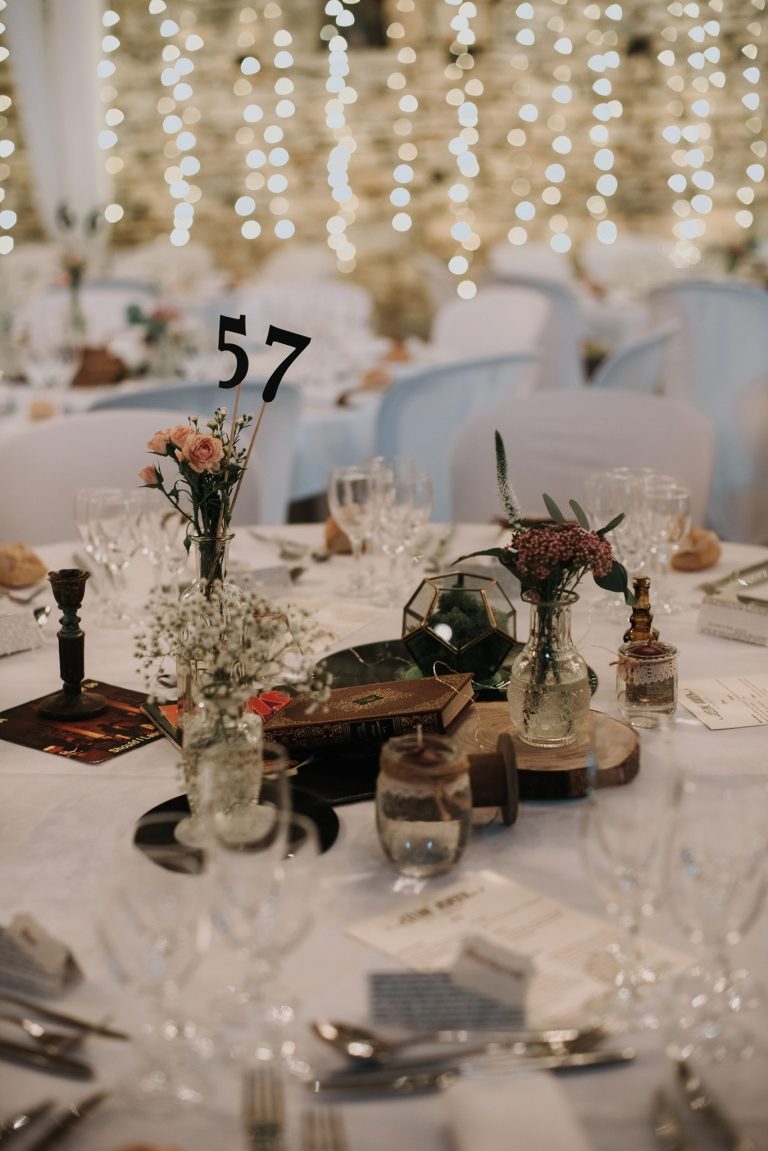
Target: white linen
{"points": [[528, 1111]]}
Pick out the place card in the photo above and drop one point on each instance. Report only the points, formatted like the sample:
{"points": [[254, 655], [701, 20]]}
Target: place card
{"points": [[19, 631], [568, 947], [32, 960], [737, 701], [490, 969]]}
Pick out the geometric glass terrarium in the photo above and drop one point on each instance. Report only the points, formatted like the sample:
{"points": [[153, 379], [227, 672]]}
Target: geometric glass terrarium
{"points": [[461, 620]]}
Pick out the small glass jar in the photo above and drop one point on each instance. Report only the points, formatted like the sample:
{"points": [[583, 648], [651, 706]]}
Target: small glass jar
{"points": [[646, 681], [423, 803]]}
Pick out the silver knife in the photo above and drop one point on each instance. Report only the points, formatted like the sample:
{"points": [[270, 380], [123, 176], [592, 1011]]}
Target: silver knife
{"points": [[65, 1120], [436, 1077], [701, 1103], [14, 1125], [60, 1017], [667, 1127], [41, 1060], [744, 577]]}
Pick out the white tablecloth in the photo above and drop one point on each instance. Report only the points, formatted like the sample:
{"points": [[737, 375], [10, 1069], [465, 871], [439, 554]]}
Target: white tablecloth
{"points": [[59, 820]]}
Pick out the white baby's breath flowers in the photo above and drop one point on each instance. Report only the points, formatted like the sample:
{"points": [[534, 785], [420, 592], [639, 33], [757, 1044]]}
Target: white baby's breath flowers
{"points": [[236, 648]]}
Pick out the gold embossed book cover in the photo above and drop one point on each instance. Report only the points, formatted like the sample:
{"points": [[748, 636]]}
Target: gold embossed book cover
{"points": [[372, 712]]}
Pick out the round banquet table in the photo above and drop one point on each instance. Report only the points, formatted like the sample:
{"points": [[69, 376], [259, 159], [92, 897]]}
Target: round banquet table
{"points": [[59, 820]]}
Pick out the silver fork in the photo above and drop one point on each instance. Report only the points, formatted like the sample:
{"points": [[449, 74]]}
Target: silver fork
{"points": [[322, 1129], [263, 1107], [49, 1040]]}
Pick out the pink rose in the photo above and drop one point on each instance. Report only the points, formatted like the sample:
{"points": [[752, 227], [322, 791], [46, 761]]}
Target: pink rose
{"points": [[159, 442], [202, 452], [178, 435], [148, 475]]}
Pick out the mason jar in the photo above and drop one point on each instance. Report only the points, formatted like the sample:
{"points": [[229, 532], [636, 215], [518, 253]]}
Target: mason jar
{"points": [[423, 803]]}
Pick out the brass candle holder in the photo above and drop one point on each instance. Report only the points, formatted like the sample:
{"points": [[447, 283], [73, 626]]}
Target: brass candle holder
{"points": [[72, 702]]}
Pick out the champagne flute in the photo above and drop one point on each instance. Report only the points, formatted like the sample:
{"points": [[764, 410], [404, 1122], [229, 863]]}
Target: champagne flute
{"points": [[113, 524], [668, 519], [716, 877], [153, 930], [350, 499]]}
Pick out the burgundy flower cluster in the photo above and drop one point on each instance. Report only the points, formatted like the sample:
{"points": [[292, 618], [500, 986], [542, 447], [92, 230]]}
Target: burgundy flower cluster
{"points": [[565, 548]]}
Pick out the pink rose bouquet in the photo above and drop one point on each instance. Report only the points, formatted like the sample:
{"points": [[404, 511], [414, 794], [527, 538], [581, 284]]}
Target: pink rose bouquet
{"points": [[209, 465]]}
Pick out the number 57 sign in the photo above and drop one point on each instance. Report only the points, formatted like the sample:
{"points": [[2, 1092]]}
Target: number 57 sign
{"points": [[236, 325]]}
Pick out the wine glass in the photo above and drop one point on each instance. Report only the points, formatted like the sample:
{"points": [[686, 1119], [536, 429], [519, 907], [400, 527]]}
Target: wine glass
{"points": [[623, 836], [668, 522], [350, 499], [113, 525], [403, 501], [153, 929], [716, 879], [161, 532]]}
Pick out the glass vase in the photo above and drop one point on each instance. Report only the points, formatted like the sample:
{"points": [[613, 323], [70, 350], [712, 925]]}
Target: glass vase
{"points": [[211, 559], [549, 692]]}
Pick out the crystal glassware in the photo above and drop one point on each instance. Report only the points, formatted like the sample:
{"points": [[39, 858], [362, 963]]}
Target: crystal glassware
{"points": [[716, 880], [350, 499], [668, 522], [113, 524]]}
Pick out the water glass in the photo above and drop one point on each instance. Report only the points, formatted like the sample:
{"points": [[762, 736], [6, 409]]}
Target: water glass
{"points": [[350, 499]]}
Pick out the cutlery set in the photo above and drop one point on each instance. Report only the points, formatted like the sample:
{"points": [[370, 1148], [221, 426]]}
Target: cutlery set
{"points": [[670, 1130], [264, 1111], [55, 1122]]}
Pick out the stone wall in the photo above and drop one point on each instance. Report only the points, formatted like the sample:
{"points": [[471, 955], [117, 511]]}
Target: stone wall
{"points": [[511, 76]]}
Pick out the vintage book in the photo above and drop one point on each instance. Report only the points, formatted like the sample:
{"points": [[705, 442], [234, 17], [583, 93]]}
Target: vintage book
{"points": [[744, 617], [122, 727], [372, 712]]}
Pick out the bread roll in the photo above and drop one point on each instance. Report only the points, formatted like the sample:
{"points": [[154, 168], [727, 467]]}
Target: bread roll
{"points": [[20, 567], [700, 550]]}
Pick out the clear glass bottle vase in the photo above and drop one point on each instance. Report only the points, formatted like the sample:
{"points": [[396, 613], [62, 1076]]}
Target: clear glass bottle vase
{"points": [[211, 559], [549, 692]]}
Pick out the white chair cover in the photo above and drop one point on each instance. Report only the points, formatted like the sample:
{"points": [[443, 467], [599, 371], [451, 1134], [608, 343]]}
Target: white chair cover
{"points": [[719, 362], [632, 260], [636, 366], [560, 343], [266, 489], [61, 455], [555, 439], [334, 310], [421, 414], [537, 261], [499, 320], [296, 263]]}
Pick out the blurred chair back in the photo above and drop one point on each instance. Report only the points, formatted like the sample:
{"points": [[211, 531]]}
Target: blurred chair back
{"points": [[266, 489], [104, 303], [61, 455], [328, 310], [421, 414], [636, 366], [560, 341], [555, 439], [497, 322], [537, 261], [719, 362]]}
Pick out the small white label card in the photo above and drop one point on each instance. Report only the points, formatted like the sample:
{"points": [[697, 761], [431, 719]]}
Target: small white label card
{"points": [[490, 969], [738, 701], [568, 948], [32, 959]]}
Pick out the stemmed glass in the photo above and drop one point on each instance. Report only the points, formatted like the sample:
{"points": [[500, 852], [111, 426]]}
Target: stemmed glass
{"points": [[350, 499], [623, 837], [153, 929], [161, 531], [113, 526], [668, 522], [403, 502], [716, 878]]}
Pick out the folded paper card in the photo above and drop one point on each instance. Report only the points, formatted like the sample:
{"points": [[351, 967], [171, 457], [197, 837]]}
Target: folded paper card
{"points": [[19, 631], [33, 961], [735, 701], [122, 727]]}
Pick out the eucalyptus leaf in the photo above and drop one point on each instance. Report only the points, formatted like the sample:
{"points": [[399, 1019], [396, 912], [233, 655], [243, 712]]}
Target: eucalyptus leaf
{"points": [[553, 509], [497, 553], [614, 523], [580, 514]]}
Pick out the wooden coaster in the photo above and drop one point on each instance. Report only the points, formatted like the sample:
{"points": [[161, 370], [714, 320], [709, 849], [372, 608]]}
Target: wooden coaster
{"points": [[553, 773]]}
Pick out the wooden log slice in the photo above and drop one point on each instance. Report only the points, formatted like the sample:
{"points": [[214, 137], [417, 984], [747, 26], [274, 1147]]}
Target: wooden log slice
{"points": [[560, 772]]}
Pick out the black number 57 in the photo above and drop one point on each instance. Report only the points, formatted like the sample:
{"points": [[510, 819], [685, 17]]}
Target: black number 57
{"points": [[236, 324]]}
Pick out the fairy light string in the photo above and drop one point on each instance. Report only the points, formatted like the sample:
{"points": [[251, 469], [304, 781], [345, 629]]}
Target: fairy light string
{"points": [[113, 114], [464, 99], [341, 94], [399, 82], [7, 148]]}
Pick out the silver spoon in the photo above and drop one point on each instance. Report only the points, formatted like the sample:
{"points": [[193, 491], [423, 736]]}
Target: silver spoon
{"points": [[365, 1046], [51, 1041]]}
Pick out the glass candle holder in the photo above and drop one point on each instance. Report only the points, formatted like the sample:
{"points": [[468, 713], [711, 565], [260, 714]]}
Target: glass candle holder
{"points": [[646, 681], [423, 804]]}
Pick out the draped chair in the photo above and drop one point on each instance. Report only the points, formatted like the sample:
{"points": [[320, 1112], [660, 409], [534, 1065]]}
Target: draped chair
{"points": [[422, 414], [636, 365], [554, 439]]}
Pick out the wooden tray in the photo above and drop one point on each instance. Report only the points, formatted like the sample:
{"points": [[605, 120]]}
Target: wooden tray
{"points": [[554, 773]]}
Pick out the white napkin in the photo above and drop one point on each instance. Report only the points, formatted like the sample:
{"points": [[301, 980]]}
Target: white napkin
{"points": [[527, 1110]]}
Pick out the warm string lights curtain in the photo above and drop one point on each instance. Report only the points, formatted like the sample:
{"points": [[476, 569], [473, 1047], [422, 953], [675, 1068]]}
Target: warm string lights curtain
{"points": [[399, 81], [113, 116], [464, 100], [180, 116], [341, 94], [754, 124], [7, 147], [602, 66]]}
